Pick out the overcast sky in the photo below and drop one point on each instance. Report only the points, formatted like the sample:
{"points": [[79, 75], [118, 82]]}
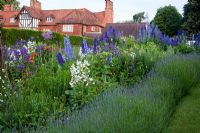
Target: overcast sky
{"points": [[123, 9]]}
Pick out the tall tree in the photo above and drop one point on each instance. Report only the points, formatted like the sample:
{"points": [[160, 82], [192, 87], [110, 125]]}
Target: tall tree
{"points": [[191, 19], [168, 20], [139, 17], [15, 4]]}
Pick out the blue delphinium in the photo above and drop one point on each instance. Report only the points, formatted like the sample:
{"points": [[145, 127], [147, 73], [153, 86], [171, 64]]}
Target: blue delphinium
{"points": [[60, 59], [95, 46], [84, 47], [108, 59], [68, 48]]}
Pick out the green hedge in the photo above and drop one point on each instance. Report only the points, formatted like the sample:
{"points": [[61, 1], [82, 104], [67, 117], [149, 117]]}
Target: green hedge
{"points": [[12, 35]]}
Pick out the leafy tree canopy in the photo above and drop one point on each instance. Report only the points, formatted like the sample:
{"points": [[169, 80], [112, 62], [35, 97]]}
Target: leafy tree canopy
{"points": [[191, 19], [15, 4], [139, 17], [168, 19]]}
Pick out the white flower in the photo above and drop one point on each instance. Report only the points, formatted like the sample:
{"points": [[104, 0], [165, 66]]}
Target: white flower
{"points": [[133, 55], [80, 73]]}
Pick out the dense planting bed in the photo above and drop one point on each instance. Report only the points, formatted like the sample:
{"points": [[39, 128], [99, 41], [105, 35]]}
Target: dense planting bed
{"points": [[145, 107], [112, 85]]}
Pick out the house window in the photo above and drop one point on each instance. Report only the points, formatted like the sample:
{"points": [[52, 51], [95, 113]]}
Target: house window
{"points": [[12, 20], [68, 28], [93, 28], [49, 19], [46, 30], [84, 28], [100, 29]]}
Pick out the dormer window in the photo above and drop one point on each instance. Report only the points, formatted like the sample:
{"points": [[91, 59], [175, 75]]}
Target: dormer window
{"points": [[49, 19], [12, 20]]}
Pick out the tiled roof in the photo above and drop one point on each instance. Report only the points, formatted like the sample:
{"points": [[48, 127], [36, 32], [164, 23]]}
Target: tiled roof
{"points": [[68, 16], [127, 29], [82, 16], [35, 13], [6, 17]]}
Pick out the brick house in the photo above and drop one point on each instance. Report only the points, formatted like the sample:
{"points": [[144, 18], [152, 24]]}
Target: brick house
{"points": [[66, 21]]}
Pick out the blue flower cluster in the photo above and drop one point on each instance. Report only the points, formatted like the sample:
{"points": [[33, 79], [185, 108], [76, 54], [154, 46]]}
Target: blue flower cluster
{"points": [[68, 48], [68, 51], [152, 32]]}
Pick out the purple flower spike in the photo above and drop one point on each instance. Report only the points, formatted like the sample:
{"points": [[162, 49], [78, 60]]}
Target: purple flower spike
{"points": [[60, 59], [95, 46], [23, 51], [108, 59], [68, 48]]}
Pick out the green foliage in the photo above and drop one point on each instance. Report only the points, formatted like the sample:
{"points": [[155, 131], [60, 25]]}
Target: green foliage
{"points": [[27, 108], [51, 80], [146, 107], [184, 49], [186, 118], [12, 35], [139, 17], [15, 4], [168, 20], [191, 21]]}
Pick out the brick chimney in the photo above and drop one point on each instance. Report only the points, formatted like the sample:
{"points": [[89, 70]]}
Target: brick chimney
{"points": [[35, 4], [109, 11], [8, 8]]}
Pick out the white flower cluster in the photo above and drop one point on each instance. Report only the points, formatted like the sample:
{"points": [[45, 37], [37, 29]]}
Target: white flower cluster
{"points": [[30, 47], [3, 77], [133, 55], [80, 73], [5, 92], [82, 55]]}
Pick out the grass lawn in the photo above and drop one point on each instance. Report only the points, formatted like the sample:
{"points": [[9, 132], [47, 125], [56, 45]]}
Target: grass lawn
{"points": [[187, 116]]}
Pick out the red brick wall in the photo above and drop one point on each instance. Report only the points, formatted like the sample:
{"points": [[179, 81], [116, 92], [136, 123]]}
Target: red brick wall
{"points": [[77, 29], [109, 12], [35, 4], [51, 28], [89, 29]]}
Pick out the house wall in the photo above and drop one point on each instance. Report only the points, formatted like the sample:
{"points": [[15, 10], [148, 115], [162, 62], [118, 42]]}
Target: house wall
{"points": [[52, 28], [77, 29], [89, 29]]}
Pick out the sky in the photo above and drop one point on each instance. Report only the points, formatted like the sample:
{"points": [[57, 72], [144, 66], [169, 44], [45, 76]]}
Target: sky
{"points": [[123, 9]]}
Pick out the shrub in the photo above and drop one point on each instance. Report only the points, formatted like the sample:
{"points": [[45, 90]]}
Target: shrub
{"points": [[12, 35]]}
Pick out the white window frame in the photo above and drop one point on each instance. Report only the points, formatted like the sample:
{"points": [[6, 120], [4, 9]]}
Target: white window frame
{"points": [[49, 19], [99, 29], [93, 28], [12, 20], [68, 28], [84, 28], [46, 30]]}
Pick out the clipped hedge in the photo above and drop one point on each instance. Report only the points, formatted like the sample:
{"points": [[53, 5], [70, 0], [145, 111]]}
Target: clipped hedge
{"points": [[11, 36]]}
